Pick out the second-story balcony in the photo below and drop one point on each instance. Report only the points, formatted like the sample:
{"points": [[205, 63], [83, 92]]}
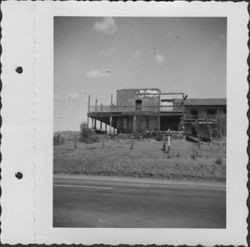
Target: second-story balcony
{"points": [[142, 108]]}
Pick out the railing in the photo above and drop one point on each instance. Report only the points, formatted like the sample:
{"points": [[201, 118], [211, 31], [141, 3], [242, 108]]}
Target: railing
{"points": [[145, 108], [200, 117]]}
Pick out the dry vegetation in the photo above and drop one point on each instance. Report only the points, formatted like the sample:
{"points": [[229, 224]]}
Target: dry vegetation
{"points": [[146, 159]]}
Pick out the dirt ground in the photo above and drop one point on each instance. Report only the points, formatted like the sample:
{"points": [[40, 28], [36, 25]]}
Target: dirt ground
{"points": [[116, 158]]}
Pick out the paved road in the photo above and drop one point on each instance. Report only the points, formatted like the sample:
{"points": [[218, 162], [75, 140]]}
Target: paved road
{"points": [[85, 201]]}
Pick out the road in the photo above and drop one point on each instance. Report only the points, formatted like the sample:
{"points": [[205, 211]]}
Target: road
{"points": [[88, 201]]}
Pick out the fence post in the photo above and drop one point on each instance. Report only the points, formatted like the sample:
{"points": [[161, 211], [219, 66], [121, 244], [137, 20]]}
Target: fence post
{"points": [[164, 143], [169, 140], [132, 144], [103, 141], [75, 141], [88, 111]]}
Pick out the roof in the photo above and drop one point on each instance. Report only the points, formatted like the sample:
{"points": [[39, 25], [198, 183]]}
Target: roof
{"points": [[204, 101]]}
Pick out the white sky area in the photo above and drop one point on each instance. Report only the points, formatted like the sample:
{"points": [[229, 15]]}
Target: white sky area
{"points": [[97, 56]]}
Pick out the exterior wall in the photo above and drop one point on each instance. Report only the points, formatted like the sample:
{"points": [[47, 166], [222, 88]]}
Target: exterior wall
{"points": [[202, 110], [125, 124], [143, 123], [170, 122], [127, 97]]}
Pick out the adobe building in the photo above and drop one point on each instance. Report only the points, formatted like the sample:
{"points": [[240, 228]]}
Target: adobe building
{"points": [[150, 109]]}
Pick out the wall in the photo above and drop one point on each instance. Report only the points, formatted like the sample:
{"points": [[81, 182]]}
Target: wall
{"points": [[202, 110], [127, 97], [143, 123]]}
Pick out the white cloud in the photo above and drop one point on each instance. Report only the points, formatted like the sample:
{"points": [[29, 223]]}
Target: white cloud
{"points": [[107, 26], [159, 58], [137, 54], [96, 73]]}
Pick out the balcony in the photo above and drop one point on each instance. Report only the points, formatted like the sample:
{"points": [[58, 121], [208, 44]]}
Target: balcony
{"points": [[142, 108], [201, 118]]}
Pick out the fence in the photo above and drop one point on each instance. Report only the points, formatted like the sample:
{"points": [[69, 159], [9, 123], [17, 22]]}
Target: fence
{"points": [[147, 108]]}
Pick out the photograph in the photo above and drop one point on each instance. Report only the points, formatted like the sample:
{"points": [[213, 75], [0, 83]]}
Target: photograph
{"points": [[140, 122]]}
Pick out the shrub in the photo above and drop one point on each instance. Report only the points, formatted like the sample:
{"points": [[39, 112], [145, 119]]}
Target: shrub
{"points": [[159, 137], [218, 161], [88, 135], [193, 155]]}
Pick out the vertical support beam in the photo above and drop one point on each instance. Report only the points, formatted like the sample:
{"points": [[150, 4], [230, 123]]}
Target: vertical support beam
{"points": [[95, 111], [159, 103], [110, 123], [159, 122], [92, 119], [134, 124], [110, 117], [88, 112], [182, 118], [101, 121], [111, 99], [96, 105]]}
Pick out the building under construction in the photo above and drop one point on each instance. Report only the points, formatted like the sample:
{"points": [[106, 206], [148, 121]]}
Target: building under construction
{"points": [[138, 110]]}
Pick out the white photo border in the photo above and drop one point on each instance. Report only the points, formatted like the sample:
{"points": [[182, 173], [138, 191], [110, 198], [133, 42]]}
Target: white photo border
{"points": [[30, 43]]}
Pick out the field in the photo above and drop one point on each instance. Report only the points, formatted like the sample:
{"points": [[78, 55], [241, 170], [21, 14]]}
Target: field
{"points": [[114, 157]]}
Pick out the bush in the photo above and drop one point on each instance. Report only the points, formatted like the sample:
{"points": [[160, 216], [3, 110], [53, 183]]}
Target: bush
{"points": [[218, 161], [88, 135]]}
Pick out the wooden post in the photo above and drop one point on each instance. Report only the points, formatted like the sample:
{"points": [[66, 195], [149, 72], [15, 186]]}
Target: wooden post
{"points": [[158, 122], [96, 105], [134, 124], [75, 141], [164, 143], [110, 124], [169, 140], [132, 144], [111, 100], [92, 119], [110, 117], [95, 112], [159, 103], [101, 121], [210, 131], [103, 141], [182, 118], [88, 111]]}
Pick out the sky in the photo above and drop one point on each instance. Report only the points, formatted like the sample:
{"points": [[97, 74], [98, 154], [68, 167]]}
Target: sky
{"points": [[99, 55]]}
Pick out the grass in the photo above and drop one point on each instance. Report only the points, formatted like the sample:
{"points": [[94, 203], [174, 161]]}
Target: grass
{"points": [[146, 159]]}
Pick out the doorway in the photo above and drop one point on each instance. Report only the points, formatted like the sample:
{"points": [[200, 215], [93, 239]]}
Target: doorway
{"points": [[138, 105]]}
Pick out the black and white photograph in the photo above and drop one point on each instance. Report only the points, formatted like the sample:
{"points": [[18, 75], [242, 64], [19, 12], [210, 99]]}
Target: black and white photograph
{"points": [[124, 123], [140, 122]]}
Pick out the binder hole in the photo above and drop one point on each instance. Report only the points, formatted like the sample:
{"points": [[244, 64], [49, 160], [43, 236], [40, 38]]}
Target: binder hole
{"points": [[19, 175], [19, 70]]}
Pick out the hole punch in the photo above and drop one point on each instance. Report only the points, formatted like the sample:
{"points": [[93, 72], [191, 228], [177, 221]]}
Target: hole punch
{"points": [[19, 70], [19, 175]]}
